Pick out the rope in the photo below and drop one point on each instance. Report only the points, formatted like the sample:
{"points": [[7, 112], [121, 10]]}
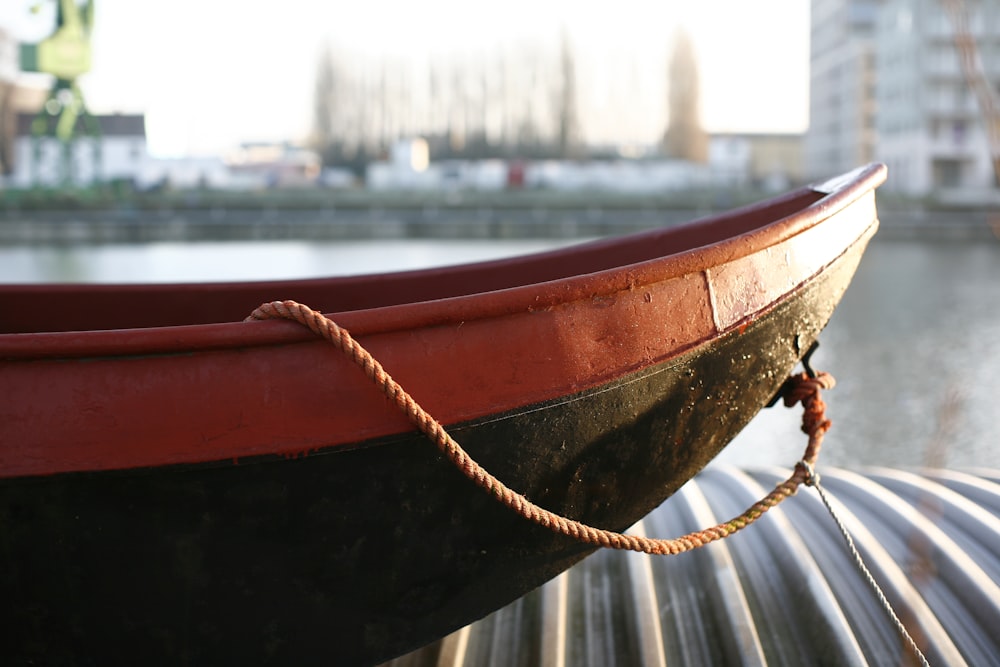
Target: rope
{"points": [[802, 388]]}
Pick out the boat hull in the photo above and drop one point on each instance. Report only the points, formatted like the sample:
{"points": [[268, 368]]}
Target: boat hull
{"points": [[317, 560]]}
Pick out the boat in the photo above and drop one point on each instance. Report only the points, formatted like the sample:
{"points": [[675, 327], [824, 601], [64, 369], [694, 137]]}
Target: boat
{"points": [[180, 485]]}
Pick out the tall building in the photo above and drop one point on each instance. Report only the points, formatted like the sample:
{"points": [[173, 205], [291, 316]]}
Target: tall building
{"points": [[931, 130], [842, 107]]}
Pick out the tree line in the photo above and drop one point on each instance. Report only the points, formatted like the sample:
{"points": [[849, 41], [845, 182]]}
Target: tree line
{"points": [[515, 102]]}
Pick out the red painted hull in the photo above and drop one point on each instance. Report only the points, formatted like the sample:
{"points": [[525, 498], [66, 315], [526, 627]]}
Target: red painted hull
{"points": [[180, 486], [99, 368]]}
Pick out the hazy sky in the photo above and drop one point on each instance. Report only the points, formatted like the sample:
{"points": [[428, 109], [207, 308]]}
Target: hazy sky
{"points": [[212, 73]]}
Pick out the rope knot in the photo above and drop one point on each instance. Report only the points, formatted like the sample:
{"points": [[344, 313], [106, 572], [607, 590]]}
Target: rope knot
{"points": [[803, 388], [810, 476]]}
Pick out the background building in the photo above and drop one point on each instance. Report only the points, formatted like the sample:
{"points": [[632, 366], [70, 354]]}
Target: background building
{"points": [[117, 154], [14, 99], [768, 161], [930, 126], [888, 84], [842, 106]]}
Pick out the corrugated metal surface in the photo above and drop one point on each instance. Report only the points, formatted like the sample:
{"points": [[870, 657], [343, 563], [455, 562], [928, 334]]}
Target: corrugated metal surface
{"points": [[783, 592]]}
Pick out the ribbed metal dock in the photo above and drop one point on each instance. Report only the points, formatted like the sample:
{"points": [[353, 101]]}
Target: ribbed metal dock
{"points": [[785, 591]]}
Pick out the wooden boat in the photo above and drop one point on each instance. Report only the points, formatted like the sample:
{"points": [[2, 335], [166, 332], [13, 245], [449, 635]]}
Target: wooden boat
{"points": [[177, 485]]}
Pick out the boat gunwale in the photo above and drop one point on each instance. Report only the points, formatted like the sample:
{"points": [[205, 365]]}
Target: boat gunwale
{"points": [[837, 195]]}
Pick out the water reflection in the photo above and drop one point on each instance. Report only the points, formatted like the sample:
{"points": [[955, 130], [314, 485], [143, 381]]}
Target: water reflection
{"points": [[915, 344]]}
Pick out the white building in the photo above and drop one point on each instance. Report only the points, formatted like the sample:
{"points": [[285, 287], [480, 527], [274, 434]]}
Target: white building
{"points": [[842, 81], [184, 173], [119, 152], [768, 161], [273, 165], [930, 129]]}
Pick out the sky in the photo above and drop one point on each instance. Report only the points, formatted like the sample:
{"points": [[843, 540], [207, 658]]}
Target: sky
{"points": [[212, 74]]}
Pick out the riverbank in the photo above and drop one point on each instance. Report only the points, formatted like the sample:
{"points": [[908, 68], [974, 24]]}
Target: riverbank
{"points": [[396, 219]]}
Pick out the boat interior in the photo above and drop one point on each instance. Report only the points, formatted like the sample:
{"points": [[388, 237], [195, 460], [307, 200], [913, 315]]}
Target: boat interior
{"points": [[90, 307]]}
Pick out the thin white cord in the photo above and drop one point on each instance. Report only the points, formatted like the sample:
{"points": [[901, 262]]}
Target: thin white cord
{"points": [[813, 480]]}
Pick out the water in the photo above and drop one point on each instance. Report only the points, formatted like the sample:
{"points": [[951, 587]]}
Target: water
{"points": [[250, 260], [915, 344], [915, 348]]}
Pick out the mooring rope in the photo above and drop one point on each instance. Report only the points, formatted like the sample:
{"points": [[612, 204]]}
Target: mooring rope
{"points": [[803, 388], [798, 389]]}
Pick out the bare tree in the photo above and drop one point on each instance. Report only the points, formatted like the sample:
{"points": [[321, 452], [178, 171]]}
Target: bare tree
{"points": [[977, 79], [324, 103], [685, 138], [567, 123], [520, 99]]}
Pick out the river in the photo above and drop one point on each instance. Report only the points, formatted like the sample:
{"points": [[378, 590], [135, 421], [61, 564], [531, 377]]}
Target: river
{"points": [[915, 344]]}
